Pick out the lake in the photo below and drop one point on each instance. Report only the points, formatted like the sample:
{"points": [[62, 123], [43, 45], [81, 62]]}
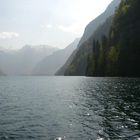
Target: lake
{"points": [[73, 108]]}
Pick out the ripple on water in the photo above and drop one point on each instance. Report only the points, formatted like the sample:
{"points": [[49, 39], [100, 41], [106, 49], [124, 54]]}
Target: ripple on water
{"points": [[60, 138], [42, 108]]}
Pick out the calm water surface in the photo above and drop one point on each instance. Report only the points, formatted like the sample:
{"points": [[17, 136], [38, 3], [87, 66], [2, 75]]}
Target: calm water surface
{"points": [[74, 108]]}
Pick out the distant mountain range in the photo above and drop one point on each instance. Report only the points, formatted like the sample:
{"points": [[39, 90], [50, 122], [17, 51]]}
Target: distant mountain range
{"points": [[35, 60], [52, 63], [22, 61]]}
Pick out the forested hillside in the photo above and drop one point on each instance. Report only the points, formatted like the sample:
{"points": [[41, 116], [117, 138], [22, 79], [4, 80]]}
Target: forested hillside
{"points": [[94, 30], [79, 63], [114, 48], [119, 54]]}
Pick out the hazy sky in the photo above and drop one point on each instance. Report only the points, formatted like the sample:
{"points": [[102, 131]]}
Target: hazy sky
{"points": [[52, 22]]}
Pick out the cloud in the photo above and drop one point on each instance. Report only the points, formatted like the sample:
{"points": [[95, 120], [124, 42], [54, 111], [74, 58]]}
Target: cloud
{"points": [[8, 35], [75, 28], [49, 26]]}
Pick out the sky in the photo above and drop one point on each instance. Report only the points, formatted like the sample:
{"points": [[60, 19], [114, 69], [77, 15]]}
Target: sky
{"points": [[52, 22]]}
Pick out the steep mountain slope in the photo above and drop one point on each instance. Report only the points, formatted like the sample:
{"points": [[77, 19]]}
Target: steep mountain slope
{"points": [[22, 61], [119, 54], [98, 27], [114, 48], [62, 70], [52, 63], [93, 25], [78, 65], [81, 52]]}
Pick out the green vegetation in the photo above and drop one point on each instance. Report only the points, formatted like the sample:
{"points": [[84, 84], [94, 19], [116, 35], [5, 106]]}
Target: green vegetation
{"points": [[114, 48], [119, 53], [79, 64]]}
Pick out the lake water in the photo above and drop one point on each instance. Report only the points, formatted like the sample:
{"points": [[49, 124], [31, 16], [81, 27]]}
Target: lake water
{"points": [[73, 108]]}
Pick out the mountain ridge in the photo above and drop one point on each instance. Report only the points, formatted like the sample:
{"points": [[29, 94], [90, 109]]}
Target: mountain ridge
{"points": [[79, 62], [22, 61], [51, 64]]}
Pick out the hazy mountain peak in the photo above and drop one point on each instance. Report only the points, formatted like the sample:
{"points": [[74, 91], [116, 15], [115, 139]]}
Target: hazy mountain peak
{"points": [[22, 61], [50, 64]]}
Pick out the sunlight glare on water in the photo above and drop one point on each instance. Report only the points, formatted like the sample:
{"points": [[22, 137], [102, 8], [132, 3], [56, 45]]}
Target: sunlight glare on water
{"points": [[69, 108]]}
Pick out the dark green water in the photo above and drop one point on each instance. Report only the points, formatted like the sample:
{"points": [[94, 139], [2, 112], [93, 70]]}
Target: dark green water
{"points": [[74, 108]]}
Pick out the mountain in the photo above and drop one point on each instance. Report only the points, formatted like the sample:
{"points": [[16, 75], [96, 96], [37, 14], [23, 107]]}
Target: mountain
{"points": [[94, 30], [119, 54], [94, 24], [62, 70], [51, 64], [114, 48], [22, 61]]}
